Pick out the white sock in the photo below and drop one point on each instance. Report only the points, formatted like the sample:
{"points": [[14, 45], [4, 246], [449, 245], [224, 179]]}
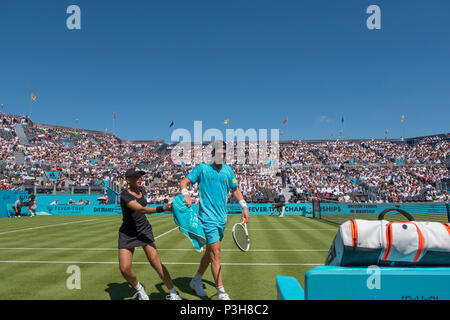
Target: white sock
{"points": [[173, 291], [198, 277], [139, 286], [220, 289]]}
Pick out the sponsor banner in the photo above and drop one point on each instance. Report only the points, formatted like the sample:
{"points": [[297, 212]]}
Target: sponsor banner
{"points": [[106, 209], [81, 209], [304, 209], [372, 208]]}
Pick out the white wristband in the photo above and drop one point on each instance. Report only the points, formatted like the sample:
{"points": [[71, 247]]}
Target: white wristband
{"points": [[185, 192], [242, 203]]}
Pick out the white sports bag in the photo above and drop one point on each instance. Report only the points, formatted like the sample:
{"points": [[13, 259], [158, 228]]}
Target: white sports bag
{"points": [[384, 243]]}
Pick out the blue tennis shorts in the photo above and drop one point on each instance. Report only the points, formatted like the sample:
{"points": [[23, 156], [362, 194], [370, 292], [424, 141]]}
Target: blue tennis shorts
{"points": [[213, 232]]}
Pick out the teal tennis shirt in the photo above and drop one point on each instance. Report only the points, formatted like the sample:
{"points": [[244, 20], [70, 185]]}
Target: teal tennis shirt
{"points": [[214, 186]]}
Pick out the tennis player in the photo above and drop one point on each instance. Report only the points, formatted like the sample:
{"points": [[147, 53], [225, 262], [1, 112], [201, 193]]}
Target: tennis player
{"points": [[136, 231], [215, 181], [280, 206], [32, 205], [276, 207]]}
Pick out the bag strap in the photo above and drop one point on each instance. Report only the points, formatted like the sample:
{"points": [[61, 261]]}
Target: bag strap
{"points": [[421, 243], [389, 242], [403, 212]]}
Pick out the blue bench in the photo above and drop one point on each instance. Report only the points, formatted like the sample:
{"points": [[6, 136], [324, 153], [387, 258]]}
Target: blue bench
{"points": [[288, 288], [368, 283]]}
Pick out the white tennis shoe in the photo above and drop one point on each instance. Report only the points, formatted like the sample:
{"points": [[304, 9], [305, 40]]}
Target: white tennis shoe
{"points": [[140, 294], [197, 286], [173, 296], [224, 296]]}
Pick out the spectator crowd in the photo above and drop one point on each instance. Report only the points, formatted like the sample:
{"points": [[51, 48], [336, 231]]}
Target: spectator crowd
{"points": [[342, 170]]}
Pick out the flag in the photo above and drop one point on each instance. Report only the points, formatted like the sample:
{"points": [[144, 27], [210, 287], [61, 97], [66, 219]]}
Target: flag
{"points": [[402, 119], [171, 124], [285, 121], [342, 120], [114, 115], [226, 121], [33, 97]]}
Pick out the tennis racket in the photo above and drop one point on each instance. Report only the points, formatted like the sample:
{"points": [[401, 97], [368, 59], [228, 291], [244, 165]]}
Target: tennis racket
{"points": [[240, 235]]}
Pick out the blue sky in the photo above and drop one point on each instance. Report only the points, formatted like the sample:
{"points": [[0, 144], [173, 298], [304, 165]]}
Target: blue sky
{"points": [[255, 62]]}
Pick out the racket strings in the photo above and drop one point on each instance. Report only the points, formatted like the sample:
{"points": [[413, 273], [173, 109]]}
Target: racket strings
{"points": [[241, 236]]}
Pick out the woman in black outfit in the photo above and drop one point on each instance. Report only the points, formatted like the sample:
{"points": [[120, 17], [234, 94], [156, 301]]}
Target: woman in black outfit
{"points": [[136, 231], [32, 205]]}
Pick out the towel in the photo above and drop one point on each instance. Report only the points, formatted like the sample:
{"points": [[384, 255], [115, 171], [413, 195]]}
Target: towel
{"points": [[188, 222]]}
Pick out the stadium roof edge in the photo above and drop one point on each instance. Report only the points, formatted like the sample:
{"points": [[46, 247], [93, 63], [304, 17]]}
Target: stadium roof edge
{"points": [[447, 135], [288, 141], [51, 126]]}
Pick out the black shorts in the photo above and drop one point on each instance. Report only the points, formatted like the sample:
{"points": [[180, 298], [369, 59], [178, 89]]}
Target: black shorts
{"points": [[279, 205], [127, 241]]}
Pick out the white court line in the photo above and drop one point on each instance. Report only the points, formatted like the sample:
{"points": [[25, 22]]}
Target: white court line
{"points": [[74, 249], [165, 233], [166, 263], [114, 249], [61, 224], [47, 226], [251, 229], [278, 250]]}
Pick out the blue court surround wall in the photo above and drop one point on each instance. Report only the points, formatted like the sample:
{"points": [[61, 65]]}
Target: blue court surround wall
{"points": [[7, 199], [44, 207], [10, 196]]}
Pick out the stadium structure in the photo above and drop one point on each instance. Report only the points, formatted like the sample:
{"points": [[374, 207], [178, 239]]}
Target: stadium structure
{"points": [[70, 163], [314, 185]]}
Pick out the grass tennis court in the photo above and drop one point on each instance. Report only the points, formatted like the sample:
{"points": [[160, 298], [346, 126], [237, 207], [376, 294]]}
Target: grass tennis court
{"points": [[36, 252]]}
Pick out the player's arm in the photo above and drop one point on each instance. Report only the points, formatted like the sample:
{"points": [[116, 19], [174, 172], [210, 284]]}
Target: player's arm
{"points": [[184, 191], [135, 206], [240, 198]]}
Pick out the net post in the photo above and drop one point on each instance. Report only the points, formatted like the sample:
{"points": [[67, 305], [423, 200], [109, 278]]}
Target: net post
{"points": [[316, 207]]}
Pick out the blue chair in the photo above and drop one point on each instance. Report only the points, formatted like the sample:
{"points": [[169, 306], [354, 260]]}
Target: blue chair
{"points": [[368, 283]]}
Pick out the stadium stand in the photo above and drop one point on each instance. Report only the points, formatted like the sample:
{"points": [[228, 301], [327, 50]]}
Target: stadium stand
{"points": [[367, 171]]}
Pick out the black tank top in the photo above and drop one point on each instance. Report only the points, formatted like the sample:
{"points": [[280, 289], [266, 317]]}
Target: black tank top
{"points": [[133, 222]]}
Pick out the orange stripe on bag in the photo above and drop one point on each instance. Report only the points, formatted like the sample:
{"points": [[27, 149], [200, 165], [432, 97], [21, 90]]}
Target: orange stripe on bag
{"points": [[447, 226], [388, 241], [354, 233], [421, 244]]}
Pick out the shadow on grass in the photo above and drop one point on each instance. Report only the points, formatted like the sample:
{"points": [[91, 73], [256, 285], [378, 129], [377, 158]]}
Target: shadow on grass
{"points": [[182, 285], [124, 291], [120, 291]]}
